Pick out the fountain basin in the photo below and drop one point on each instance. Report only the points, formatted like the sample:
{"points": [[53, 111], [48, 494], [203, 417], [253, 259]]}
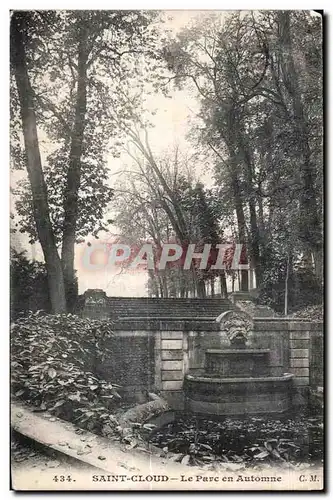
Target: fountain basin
{"points": [[214, 395], [239, 362]]}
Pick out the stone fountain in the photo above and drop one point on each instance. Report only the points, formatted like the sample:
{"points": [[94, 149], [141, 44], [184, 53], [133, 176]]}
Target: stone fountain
{"points": [[236, 379]]}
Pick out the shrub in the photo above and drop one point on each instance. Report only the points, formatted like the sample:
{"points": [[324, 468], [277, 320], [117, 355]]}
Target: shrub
{"points": [[54, 366], [28, 283]]}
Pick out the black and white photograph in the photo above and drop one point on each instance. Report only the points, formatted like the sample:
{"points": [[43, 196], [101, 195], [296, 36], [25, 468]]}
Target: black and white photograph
{"points": [[166, 250]]}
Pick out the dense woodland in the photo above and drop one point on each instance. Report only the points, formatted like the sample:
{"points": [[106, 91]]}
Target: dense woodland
{"points": [[79, 81]]}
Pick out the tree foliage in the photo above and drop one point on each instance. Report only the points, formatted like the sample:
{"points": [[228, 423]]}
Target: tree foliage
{"points": [[73, 60], [162, 202], [261, 117]]}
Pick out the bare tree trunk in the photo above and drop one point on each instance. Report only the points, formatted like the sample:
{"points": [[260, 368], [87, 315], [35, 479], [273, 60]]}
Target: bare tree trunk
{"points": [[223, 285], [255, 249], [172, 286], [201, 288], [286, 288], [74, 173], [244, 284], [254, 229], [182, 283], [34, 165], [318, 264], [164, 285], [212, 286], [230, 138], [195, 283], [154, 292]]}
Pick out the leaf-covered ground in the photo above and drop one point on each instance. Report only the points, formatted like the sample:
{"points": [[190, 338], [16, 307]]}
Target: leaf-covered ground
{"points": [[54, 369], [252, 441], [27, 454]]}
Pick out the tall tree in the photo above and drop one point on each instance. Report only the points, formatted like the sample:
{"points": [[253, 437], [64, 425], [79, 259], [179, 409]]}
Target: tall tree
{"points": [[310, 226], [86, 46], [261, 116], [19, 26]]}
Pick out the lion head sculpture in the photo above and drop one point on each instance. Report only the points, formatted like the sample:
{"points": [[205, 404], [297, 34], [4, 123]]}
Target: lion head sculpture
{"points": [[236, 325]]}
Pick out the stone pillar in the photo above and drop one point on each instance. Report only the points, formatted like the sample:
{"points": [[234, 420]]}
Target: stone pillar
{"points": [[158, 361], [251, 279], [299, 353], [95, 304], [171, 361]]}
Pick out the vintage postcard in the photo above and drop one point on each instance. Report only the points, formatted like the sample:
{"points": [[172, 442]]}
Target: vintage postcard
{"points": [[166, 250]]}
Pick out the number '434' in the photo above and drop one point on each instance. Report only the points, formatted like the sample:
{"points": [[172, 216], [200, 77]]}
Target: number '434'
{"points": [[62, 479]]}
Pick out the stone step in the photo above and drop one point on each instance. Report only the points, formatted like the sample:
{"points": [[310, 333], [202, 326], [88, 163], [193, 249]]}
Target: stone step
{"points": [[139, 307]]}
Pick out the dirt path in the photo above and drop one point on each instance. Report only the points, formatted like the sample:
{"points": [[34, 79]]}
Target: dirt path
{"points": [[27, 456], [108, 465]]}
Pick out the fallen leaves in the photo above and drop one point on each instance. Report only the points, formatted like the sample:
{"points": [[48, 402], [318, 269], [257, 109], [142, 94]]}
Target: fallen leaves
{"points": [[52, 358], [236, 443], [84, 451]]}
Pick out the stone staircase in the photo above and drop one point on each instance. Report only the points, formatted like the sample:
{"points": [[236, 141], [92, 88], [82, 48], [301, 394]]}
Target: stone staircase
{"points": [[173, 308]]}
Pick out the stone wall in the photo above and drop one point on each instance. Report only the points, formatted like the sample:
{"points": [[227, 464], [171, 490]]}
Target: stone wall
{"points": [[295, 347], [132, 363], [316, 359], [298, 347], [154, 353], [157, 359]]}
